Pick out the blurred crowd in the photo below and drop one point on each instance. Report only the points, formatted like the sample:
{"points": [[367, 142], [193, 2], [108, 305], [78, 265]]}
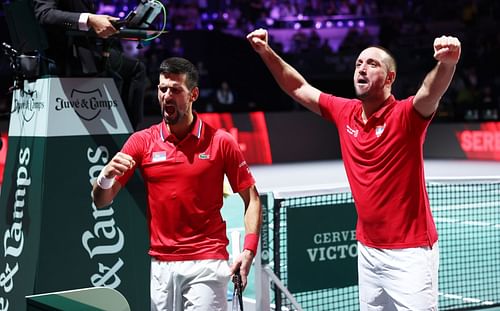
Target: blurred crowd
{"points": [[405, 27], [322, 39]]}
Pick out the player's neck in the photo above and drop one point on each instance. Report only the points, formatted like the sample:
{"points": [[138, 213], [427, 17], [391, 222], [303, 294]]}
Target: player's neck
{"points": [[182, 128], [370, 106]]}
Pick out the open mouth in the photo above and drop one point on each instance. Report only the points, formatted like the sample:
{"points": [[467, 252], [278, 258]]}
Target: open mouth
{"points": [[362, 81], [170, 110]]}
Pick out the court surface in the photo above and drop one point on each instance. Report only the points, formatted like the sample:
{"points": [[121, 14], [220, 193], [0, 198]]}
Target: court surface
{"points": [[311, 175]]}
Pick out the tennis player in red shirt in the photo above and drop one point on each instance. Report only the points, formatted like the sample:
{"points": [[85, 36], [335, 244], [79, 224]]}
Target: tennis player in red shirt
{"points": [[382, 147], [183, 161]]}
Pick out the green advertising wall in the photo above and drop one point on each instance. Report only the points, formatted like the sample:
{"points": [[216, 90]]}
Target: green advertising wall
{"points": [[62, 132], [321, 247]]}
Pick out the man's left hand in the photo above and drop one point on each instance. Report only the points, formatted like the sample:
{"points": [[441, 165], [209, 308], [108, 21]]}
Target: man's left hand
{"points": [[447, 50]]}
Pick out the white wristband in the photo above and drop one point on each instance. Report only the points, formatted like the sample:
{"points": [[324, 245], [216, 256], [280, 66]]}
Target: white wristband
{"points": [[104, 182]]}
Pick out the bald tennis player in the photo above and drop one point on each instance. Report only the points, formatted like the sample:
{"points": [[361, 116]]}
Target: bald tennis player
{"points": [[382, 147]]}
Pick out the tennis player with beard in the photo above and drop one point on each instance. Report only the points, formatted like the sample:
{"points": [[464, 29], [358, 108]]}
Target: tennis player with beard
{"points": [[183, 162], [382, 147]]}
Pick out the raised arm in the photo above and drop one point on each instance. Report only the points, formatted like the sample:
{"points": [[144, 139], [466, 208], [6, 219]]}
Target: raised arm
{"points": [[253, 221], [289, 79], [447, 53], [105, 188]]}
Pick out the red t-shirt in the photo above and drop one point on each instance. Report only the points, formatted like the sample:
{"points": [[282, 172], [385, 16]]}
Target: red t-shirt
{"points": [[184, 185], [384, 164]]}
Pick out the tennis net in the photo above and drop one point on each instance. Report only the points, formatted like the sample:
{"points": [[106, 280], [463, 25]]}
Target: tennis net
{"points": [[308, 240]]}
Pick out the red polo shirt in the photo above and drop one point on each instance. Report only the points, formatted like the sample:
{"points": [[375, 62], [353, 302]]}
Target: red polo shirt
{"points": [[384, 164], [184, 184]]}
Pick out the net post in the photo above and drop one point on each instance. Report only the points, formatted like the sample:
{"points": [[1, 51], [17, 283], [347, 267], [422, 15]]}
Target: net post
{"points": [[262, 282], [276, 249], [262, 298]]}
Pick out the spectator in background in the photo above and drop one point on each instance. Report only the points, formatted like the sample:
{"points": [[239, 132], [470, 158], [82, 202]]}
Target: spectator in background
{"points": [[225, 97], [329, 7], [315, 40], [344, 8], [206, 90], [204, 78], [363, 8], [489, 106], [177, 49], [300, 41]]}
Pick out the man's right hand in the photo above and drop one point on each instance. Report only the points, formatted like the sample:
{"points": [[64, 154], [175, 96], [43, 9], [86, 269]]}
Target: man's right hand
{"points": [[258, 39], [120, 163], [101, 24], [103, 195]]}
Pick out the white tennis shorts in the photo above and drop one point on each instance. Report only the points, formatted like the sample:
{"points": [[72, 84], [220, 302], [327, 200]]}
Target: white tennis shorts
{"points": [[398, 279], [199, 285]]}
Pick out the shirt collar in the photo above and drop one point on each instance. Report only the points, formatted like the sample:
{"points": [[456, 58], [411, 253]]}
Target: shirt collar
{"points": [[195, 131], [377, 114]]}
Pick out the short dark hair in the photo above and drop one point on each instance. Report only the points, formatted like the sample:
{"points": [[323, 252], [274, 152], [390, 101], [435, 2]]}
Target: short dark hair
{"points": [[391, 60], [179, 65]]}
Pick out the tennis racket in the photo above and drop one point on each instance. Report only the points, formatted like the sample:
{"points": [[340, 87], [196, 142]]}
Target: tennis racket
{"points": [[238, 286]]}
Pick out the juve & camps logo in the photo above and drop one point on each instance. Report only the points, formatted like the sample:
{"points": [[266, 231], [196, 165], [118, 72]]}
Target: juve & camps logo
{"points": [[86, 104], [27, 104]]}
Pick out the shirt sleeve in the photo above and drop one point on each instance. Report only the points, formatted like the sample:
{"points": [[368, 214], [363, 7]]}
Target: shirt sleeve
{"points": [[332, 106], [235, 167], [418, 123]]}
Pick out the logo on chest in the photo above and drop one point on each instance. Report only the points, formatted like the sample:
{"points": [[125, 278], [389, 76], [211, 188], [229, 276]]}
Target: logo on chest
{"points": [[379, 129], [159, 156], [204, 156], [352, 131]]}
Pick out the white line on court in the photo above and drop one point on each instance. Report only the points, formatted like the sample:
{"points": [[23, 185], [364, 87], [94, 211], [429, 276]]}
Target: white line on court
{"points": [[466, 299]]}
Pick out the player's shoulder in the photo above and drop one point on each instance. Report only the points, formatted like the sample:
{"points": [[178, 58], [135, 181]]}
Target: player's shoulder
{"points": [[330, 99], [223, 134], [223, 137], [211, 131], [220, 136], [408, 99], [404, 103], [217, 135]]}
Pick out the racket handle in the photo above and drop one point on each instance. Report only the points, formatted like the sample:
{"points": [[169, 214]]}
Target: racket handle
{"points": [[238, 286], [235, 243]]}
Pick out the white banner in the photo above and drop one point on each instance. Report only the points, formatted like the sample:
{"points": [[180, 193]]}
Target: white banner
{"points": [[56, 107]]}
